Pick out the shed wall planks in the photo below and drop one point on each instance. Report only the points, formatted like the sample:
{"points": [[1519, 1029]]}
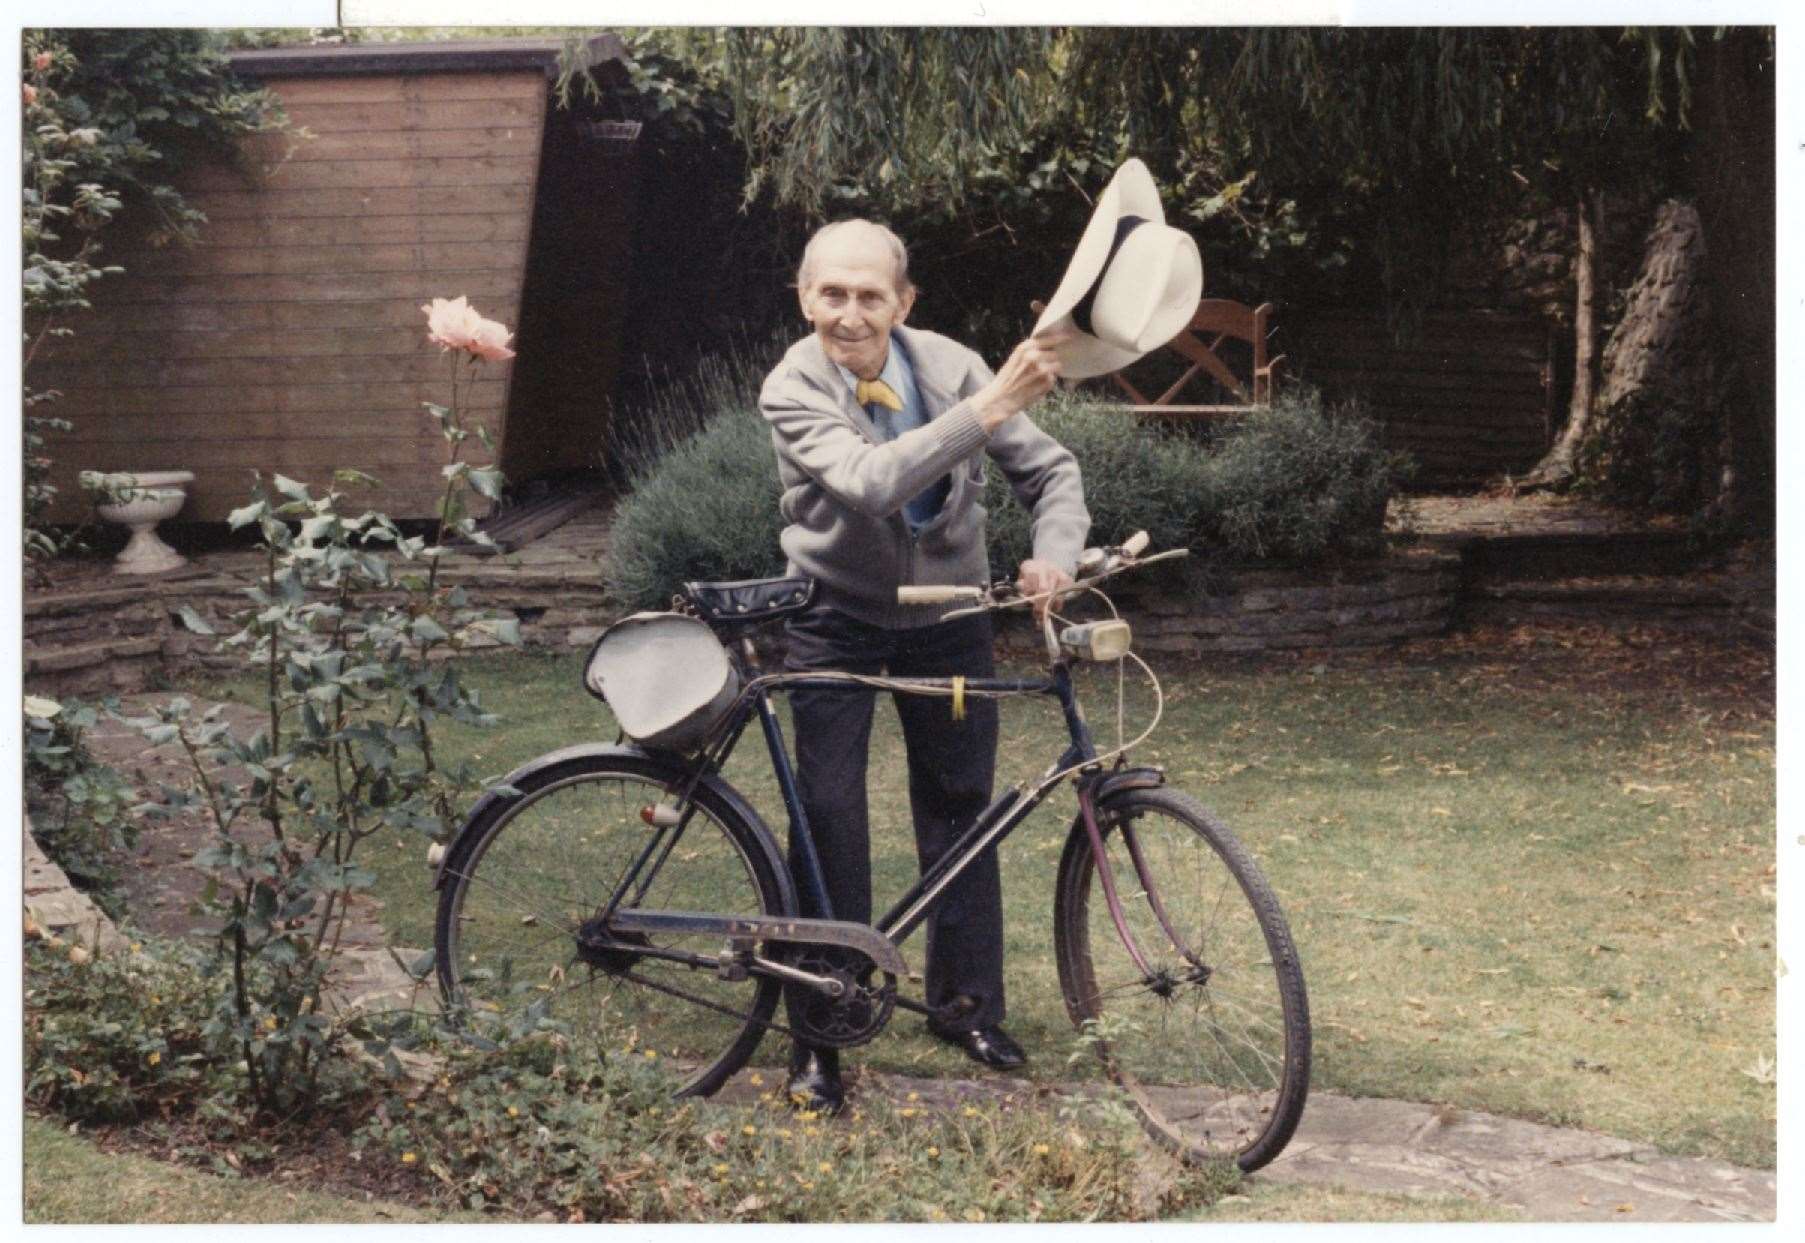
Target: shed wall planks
{"points": [[290, 339]]}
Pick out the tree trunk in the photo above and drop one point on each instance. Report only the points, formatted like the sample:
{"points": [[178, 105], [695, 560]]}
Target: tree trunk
{"points": [[1733, 171], [1659, 413], [1657, 342], [1555, 470]]}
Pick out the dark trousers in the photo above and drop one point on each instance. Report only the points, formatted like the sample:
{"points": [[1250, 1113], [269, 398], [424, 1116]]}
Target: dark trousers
{"points": [[951, 767]]}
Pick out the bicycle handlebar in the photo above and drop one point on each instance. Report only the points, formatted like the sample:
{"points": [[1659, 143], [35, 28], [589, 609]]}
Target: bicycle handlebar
{"points": [[937, 594], [1096, 565]]}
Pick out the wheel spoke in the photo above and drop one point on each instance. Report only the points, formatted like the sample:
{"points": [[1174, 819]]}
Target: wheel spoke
{"points": [[1211, 1039], [514, 904]]}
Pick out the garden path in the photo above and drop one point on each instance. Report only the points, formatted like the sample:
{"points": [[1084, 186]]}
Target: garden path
{"points": [[1368, 1144]]}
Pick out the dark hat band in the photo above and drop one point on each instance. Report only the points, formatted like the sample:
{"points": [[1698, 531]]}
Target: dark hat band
{"points": [[1081, 313]]}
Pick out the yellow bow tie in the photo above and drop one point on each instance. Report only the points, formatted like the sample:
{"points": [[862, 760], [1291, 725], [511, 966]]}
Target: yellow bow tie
{"points": [[870, 391]]}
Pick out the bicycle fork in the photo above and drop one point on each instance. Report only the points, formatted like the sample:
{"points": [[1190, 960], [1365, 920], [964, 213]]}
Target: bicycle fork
{"points": [[1088, 811]]}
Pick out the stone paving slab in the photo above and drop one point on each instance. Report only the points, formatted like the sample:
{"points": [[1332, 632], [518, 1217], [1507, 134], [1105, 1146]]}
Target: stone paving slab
{"points": [[59, 909], [1549, 1173]]}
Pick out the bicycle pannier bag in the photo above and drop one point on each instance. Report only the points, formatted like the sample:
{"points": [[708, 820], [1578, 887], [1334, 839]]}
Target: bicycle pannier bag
{"points": [[665, 675]]}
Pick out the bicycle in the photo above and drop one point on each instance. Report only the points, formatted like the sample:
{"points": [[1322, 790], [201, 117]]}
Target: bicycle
{"points": [[602, 885]]}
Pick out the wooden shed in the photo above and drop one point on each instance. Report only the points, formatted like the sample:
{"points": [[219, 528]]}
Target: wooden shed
{"points": [[291, 340]]}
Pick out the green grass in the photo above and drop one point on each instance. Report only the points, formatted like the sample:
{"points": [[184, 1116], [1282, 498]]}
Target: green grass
{"points": [[1532, 878], [70, 1180]]}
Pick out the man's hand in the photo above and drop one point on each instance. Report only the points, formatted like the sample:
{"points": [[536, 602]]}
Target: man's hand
{"points": [[1027, 376], [1042, 578]]}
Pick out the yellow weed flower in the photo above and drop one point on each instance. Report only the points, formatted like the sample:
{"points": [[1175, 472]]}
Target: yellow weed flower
{"points": [[969, 1112], [1041, 1150], [651, 1055], [757, 1080], [513, 1111], [271, 1022], [826, 1167], [154, 1058], [907, 1113], [933, 1150], [748, 1129], [408, 1158]]}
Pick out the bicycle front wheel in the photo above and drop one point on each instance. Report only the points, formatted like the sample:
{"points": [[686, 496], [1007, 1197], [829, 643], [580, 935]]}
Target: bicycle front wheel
{"points": [[1199, 1013], [523, 879]]}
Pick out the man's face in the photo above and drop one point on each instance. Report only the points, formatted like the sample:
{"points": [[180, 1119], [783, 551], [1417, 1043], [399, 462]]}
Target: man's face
{"points": [[853, 302]]}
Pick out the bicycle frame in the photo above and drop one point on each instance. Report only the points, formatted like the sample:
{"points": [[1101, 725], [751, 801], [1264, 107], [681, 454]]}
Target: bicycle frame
{"points": [[985, 833]]}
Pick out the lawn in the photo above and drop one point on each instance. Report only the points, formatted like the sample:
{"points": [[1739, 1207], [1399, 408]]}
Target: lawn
{"points": [[1528, 872]]}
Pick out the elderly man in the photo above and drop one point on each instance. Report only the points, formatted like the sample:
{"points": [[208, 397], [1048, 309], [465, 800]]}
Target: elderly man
{"points": [[881, 433]]}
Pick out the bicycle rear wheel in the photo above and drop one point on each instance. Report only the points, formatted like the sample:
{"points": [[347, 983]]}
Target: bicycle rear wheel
{"points": [[525, 875], [1208, 1029]]}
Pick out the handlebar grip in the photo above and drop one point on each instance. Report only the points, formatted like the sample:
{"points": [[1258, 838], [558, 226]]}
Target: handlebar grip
{"points": [[1135, 544], [937, 594]]}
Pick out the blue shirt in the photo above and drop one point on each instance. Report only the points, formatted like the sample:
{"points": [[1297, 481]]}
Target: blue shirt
{"points": [[900, 376]]}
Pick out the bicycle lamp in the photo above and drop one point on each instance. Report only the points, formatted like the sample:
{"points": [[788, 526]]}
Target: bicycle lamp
{"points": [[1098, 640]]}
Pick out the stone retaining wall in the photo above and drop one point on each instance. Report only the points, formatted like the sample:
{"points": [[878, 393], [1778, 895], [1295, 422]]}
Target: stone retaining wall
{"points": [[97, 640], [1357, 604], [111, 638]]}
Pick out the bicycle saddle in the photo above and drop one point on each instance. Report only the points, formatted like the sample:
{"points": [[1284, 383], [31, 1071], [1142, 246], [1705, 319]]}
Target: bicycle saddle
{"points": [[750, 600]]}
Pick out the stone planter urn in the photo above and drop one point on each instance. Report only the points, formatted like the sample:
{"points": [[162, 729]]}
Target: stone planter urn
{"points": [[139, 500]]}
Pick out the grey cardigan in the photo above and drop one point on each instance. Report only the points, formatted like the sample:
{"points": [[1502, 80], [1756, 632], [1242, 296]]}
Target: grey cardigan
{"points": [[844, 488]]}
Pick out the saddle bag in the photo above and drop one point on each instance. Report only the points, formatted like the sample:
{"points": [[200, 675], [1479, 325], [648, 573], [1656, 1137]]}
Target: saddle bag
{"points": [[666, 676]]}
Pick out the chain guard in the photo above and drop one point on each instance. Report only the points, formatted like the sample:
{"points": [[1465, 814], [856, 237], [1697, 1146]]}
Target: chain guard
{"points": [[849, 1020]]}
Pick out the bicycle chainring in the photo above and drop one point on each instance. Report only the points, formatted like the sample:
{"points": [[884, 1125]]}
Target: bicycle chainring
{"points": [[846, 1021]]}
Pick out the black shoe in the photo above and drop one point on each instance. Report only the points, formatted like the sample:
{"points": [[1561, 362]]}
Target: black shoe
{"points": [[814, 1081], [988, 1046]]}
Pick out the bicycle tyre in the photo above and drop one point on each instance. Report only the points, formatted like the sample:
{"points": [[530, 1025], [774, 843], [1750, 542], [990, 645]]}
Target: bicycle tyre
{"points": [[1185, 1039], [529, 867]]}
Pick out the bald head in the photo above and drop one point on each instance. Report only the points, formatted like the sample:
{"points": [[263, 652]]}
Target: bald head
{"points": [[854, 288], [858, 241]]}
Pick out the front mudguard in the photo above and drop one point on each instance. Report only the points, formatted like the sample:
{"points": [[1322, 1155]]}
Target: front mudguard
{"points": [[1077, 840]]}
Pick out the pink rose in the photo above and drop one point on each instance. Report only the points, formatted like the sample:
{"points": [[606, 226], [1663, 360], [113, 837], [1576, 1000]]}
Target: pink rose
{"points": [[31, 94], [453, 324], [490, 341], [41, 61]]}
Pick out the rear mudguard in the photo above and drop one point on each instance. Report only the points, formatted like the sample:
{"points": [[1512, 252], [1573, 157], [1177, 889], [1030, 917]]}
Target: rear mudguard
{"points": [[667, 767]]}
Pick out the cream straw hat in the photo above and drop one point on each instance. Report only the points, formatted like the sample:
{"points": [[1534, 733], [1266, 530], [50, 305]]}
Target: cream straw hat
{"points": [[1132, 285]]}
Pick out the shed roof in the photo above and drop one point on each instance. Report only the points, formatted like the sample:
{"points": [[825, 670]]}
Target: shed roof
{"points": [[442, 56]]}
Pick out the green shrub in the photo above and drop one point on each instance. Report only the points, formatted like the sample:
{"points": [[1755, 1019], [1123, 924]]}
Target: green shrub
{"points": [[125, 1035], [1295, 483], [1137, 476], [541, 1126], [1298, 482], [706, 510], [81, 808]]}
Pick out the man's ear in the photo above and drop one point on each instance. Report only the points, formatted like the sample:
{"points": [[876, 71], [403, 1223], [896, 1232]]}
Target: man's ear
{"points": [[802, 301], [904, 303]]}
